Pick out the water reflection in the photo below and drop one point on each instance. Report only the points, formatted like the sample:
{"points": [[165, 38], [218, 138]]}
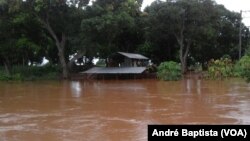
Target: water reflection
{"points": [[193, 86], [116, 110], [188, 85], [76, 89]]}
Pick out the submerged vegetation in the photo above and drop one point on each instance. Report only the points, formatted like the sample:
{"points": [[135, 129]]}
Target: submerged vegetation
{"points": [[225, 67], [242, 68], [220, 68], [169, 71]]}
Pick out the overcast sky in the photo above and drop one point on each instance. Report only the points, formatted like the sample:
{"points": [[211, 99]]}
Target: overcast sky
{"points": [[233, 5]]}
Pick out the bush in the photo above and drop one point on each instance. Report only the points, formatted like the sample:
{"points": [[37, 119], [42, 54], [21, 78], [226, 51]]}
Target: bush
{"points": [[4, 76], [169, 71], [220, 68], [238, 69], [242, 68], [19, 73]]}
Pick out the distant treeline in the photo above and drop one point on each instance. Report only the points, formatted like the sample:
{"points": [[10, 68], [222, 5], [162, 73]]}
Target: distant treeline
{"points": [[185, 31]]}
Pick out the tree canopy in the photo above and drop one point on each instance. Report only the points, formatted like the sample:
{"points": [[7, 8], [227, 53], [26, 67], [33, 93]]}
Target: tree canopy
{"points": [[201, 29]]}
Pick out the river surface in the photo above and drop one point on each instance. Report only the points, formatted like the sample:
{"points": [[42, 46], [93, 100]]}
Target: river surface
{"points": [[115, 110]]}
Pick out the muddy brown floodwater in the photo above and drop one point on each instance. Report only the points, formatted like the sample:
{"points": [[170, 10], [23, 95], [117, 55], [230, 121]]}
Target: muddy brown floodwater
{"points": [[115, 110]]}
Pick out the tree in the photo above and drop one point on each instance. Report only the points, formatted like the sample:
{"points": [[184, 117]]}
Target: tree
{"points": [[160, 45], [201, 29], [110, 26], [58, 18], [18, 45], [221, 37], [187, 20]]}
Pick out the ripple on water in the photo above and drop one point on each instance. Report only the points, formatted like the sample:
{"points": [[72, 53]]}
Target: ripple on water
{"points": [[20, 127], [116, 110]]}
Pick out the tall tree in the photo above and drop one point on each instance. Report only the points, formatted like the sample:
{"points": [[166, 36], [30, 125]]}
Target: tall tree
{"points": [[220, 37], [110, 26], [188, 19], [18, 44], [198, 26], [58, 18]]}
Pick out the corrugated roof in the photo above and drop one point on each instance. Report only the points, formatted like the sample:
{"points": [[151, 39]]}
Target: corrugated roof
{"points": [[133, 55], [116, 70]]}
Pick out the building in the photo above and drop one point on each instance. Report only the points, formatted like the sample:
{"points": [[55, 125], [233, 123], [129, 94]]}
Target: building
{"points": [[121, 63], [123, 59]]}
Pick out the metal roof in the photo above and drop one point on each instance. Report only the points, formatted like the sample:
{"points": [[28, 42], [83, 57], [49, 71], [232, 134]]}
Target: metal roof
{"points": [[133, 55], [116, 70]]}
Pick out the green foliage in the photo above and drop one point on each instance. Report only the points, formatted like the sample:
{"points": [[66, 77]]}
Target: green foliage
{"points": [[4, 76], [145, 48], [110, 26], [169, 71], [238, 69], [7, 77], [242, 68], [220, 68], [212, 29], [24, 73]]}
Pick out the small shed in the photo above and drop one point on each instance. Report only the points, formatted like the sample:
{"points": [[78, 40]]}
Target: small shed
{"points": [[123, 59], [120, 64]]}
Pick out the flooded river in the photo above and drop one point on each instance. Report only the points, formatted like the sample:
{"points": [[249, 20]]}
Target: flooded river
{"points": [[115, 110]]}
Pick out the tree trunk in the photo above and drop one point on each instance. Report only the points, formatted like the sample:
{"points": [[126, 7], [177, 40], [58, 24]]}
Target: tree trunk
{"points": [[184, 50], [63, 63], [182, 59], [7, 66], [184, 66], [183, 56], [182, 53], [60, 46]]}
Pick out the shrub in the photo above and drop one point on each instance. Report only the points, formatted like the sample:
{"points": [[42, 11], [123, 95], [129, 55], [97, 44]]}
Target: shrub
{"points": [[19, 73], [220, 68], [169, 71], [4, 76], [242, 68], [238, 69]]}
